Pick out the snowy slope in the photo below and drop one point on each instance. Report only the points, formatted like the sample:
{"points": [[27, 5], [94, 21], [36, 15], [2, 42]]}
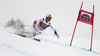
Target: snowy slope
{"points": [[13, 45], [64, 13]]}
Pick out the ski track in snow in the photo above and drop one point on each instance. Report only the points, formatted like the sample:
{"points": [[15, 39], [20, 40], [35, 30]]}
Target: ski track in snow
{"points": [[8, 46], [14, 49], [58, 43], [86, 49]]}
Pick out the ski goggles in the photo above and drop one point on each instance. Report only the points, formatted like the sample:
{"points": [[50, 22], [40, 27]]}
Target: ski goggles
{"points": [[48, 18]]}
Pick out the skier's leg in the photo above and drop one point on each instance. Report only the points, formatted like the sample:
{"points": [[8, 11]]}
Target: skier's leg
{"points": [[27, 32], [38, 31], [36, 34]]}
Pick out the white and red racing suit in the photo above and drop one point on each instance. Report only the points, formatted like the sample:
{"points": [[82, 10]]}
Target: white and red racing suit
{"points": [[40, 25]]}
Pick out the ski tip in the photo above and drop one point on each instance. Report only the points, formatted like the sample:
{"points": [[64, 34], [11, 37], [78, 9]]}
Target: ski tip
{"points": [[21, 35], [37, 39]]}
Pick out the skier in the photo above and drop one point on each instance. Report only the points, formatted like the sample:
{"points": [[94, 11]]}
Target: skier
{"points": [[39, 26]]}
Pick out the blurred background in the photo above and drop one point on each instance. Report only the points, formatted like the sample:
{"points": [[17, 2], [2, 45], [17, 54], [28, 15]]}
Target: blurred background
{"points": [[64, 15]]}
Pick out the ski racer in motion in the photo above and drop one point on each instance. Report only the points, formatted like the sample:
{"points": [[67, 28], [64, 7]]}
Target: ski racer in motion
{"points": [[39, 26]]}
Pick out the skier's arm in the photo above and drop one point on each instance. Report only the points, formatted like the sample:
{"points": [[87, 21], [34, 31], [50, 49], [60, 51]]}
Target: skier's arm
{"points": [[55, 32], [37, 22], [34, 23]]}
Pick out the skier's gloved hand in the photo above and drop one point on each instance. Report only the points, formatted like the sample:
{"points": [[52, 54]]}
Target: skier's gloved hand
{"points": [[57, 35], [34, 25]]}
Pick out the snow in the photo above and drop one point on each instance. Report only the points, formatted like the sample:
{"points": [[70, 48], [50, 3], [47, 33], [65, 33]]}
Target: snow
{"points": [[14, 45], [64, 13]]}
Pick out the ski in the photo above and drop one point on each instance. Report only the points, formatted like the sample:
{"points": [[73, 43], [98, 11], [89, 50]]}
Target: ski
{"points": [[28, 37]]}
